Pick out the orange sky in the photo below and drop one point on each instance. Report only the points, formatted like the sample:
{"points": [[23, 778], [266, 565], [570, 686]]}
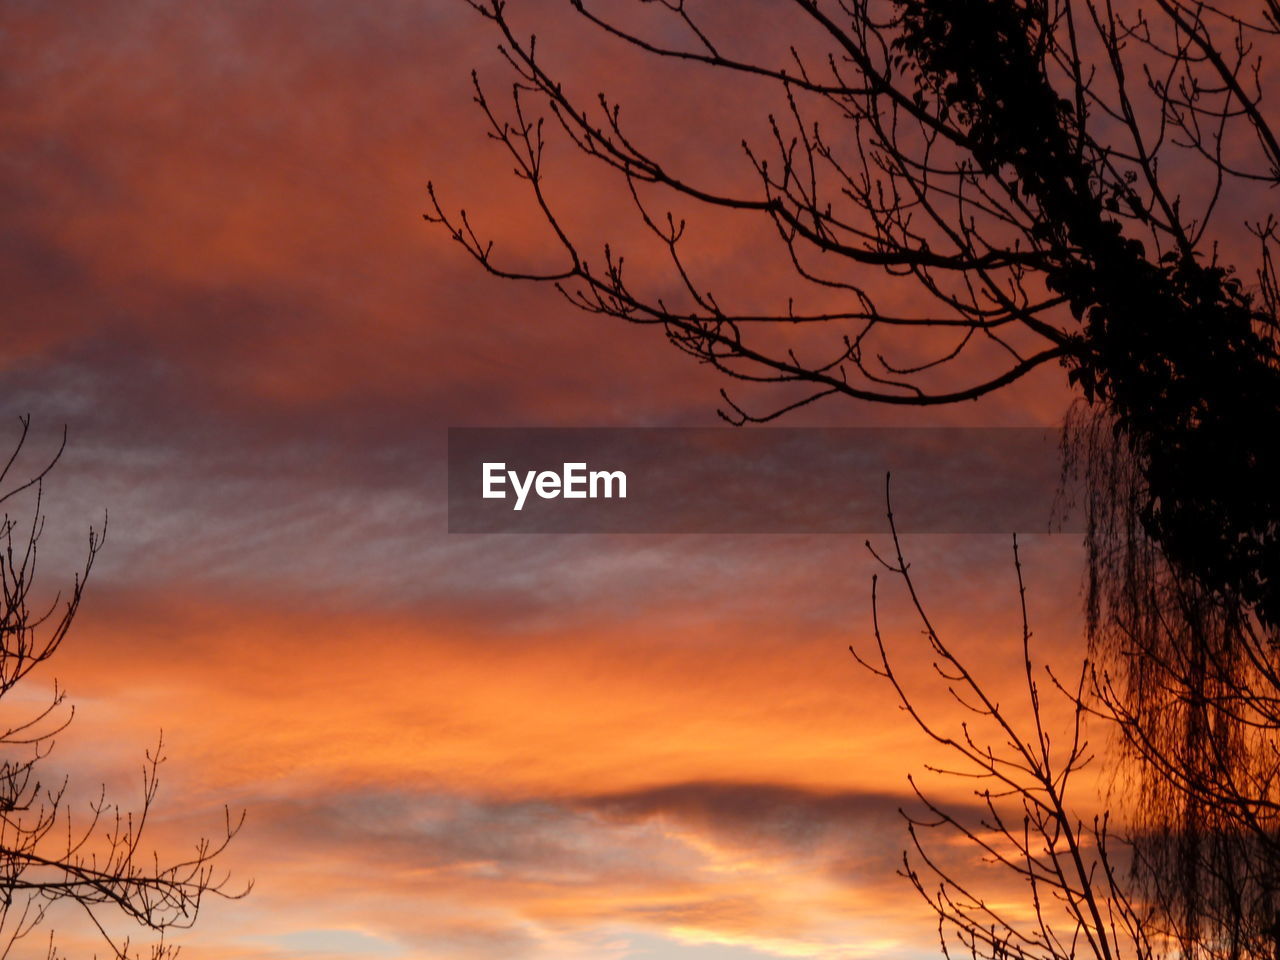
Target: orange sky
{"points": [[448, 746]]}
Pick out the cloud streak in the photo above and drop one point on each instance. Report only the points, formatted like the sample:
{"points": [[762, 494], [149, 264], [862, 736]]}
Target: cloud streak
{"points": [[449, 746]]}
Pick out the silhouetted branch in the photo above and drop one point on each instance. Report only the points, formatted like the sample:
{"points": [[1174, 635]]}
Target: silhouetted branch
{"points": [[1023, 773], [48, 854]]}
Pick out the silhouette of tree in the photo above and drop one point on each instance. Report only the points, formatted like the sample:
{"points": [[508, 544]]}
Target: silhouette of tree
{"points": [[1074, 182], [50, 852], [1050, 178], [1194, 690], [1029, 821]]}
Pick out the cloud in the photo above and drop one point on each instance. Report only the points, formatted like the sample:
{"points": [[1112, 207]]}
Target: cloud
{"points": [[471, 747]]}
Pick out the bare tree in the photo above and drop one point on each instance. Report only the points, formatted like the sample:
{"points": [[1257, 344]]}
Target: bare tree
{"points": [[52, 850], [1035, 827]]}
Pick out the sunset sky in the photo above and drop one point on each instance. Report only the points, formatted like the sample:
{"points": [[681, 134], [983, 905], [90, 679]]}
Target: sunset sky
{"points": [[449, 747]]}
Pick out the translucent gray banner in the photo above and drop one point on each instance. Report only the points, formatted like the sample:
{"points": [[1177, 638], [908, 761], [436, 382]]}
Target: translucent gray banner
{"points": [[788, 480]]}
